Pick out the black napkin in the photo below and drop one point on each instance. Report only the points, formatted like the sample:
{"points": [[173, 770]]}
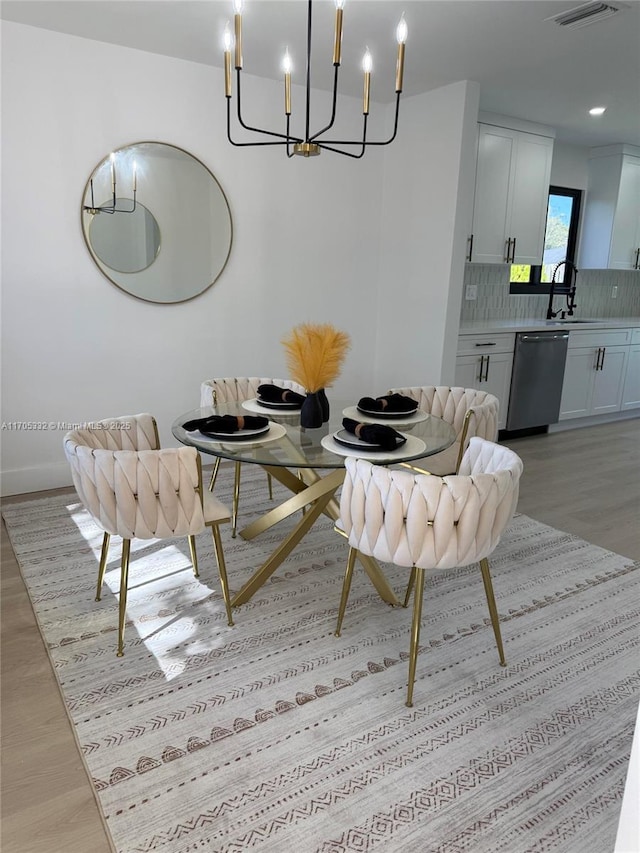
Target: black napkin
{"points": [[225, 423], [384, 436], [274, 394], [388, 403]]}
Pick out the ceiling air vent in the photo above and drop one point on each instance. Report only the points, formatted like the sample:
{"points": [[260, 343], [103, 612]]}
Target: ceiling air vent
{"points": [[588, 13]]}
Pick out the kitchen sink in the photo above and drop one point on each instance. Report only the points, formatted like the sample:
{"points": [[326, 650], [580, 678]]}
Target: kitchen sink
{"points": [[571, 320]]}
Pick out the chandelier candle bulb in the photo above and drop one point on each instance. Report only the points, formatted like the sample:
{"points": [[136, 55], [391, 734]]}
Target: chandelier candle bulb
{"points": [[227, 61], [337, 39], [367, 64], [401, 35], [237, 21], [286, 64]]}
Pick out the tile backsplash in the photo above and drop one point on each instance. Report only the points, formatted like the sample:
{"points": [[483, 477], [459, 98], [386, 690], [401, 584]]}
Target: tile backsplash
{"points": [[593, 295]]}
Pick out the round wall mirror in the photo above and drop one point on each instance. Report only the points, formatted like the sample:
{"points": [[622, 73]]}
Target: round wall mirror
{"points": [[157, 222]]}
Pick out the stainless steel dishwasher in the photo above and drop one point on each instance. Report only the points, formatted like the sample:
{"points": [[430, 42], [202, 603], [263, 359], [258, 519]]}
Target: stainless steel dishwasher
{"points": [[536, 379]]}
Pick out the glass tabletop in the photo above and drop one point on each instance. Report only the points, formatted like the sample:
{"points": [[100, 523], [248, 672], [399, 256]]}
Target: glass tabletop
{"points": [[289, 445]]}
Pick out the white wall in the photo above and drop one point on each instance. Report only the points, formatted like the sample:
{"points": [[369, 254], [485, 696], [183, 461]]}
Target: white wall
{"points": [[310, 244]]}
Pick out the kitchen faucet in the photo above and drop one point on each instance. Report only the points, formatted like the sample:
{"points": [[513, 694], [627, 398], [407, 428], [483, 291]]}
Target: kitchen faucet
{"points": [[568, 289]]}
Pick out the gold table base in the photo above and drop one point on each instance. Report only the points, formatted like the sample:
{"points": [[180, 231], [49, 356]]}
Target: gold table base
{"points": [[318, 495]]}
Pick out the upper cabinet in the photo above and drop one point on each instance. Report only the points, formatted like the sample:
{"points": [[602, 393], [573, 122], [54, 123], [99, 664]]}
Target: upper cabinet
{"points": [[611, 223], [511, 196]]}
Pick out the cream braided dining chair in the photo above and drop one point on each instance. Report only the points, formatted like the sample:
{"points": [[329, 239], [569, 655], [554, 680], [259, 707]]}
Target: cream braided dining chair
{"points": [[426, 522], [135, 490], [234, 389], [469, 411]]}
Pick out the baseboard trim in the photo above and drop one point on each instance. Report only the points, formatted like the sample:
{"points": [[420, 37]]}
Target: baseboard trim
{"points": [[576, 423], [18, 481]]}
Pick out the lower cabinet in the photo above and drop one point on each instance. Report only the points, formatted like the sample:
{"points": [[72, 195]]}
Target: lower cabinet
{"points": [[631, 390], [595, 373], [485, 362]]}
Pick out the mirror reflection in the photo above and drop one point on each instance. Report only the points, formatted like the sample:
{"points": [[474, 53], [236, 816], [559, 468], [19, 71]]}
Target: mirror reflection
{"points": [[157, 222], [126, 243]]}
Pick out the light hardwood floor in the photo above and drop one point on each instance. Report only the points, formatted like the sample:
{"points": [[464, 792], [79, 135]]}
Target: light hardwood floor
{"points": [[583, 481]]}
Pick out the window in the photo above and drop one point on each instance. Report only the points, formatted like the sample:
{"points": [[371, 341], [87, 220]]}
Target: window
{"points": [[560, 239]]}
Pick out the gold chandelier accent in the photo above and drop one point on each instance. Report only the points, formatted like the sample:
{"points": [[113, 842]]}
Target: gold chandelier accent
{"points": [[311, 144]]}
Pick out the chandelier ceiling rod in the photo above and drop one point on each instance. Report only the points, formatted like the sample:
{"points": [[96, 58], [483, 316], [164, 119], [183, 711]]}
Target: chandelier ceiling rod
{"points": [[311, 144]]}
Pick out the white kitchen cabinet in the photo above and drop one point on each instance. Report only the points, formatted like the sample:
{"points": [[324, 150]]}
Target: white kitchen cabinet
{"points": [[611, 222], [594, 373], [631, 390], [485, 361], [511, 196]]}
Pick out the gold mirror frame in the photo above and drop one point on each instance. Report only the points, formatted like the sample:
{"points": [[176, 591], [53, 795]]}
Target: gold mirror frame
{"points": [[191, 210]]}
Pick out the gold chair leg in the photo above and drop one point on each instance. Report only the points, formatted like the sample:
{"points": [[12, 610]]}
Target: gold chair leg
{"points": [[103, 563], [270, 486], [412, 580], [346, 588], [222, 571], [214, 473], [493, 610], [415, 634], [124, 585], [236, 498], [194, 555]]}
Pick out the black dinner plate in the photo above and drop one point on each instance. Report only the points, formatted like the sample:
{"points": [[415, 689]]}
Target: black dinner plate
{"points": [[348, 439], [388, 416], [239, 435], [282, 406]]}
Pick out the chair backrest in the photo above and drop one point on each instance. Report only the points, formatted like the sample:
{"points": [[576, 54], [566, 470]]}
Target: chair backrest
{"points": [[237, 388], [129, 432], [431, 522], [452, 404], [470, 412], [143, 493]]}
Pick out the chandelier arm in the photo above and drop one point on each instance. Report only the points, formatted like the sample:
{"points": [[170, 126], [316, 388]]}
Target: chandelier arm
{"points": [[333, 108], [363, 143], [281, 136], [374, 142], [251, 144]]}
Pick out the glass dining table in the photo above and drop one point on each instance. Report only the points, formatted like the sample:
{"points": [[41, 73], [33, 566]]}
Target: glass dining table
{"points": [[294, 455]]}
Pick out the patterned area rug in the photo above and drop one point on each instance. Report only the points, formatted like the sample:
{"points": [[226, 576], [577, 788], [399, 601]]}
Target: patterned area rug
{"points": [[275, 735]]}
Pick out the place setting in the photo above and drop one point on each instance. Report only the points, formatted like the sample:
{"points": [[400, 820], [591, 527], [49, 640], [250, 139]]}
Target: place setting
{"points": [[363, 436], [402, 410], [274, 400], [231, 428]]}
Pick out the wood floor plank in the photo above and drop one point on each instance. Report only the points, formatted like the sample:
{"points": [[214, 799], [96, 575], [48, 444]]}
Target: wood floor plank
{"points": [[583, 481]]}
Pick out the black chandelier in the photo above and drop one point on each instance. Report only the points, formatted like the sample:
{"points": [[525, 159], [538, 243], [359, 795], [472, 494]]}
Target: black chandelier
{"points": [[311, 144], [112, 205]]}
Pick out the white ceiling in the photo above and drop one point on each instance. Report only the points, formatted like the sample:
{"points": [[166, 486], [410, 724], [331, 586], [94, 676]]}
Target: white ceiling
{"points": [[527, 67]]}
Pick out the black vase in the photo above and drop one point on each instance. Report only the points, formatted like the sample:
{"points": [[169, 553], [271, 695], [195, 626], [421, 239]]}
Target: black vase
{"points": [[311, 411], [325, 405]]}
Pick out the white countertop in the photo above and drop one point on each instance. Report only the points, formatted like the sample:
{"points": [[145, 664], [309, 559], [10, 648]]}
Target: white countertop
{"points": [[537, 325]]}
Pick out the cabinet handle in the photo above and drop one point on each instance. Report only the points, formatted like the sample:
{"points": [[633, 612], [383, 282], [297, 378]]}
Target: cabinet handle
{"points": [[507, 250], [598, 352], [600, 358], [513, 251], [482, 358], [487, 344], [604, 349], [470, 245], [486, 368], [637, 263]]}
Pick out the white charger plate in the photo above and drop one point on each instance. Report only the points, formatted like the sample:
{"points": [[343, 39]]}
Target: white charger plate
{"points": [[272, 433], [255, 406], [413, 447]]}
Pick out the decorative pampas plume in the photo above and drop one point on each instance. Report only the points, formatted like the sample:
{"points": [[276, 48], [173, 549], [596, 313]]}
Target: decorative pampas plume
{"points": [[315, 353]]}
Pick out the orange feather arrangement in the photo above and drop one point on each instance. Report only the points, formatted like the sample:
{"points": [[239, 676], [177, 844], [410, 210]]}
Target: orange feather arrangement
{"points": [[315, 353]]}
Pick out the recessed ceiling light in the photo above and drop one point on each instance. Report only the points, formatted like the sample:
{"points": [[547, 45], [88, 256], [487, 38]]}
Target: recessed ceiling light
{"points": [[596, 111]]}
